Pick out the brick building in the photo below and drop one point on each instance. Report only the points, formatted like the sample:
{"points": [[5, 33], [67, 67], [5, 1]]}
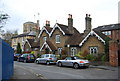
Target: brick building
{"points": [[30, 31], [113, 32], [66, 39]]}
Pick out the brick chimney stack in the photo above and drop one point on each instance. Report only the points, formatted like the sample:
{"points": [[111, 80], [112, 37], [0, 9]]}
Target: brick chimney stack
{"points": [[70, 24], [87, 24], [47, 23]]}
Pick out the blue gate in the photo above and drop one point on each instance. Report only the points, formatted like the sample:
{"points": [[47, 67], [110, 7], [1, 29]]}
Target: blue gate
{"points": [[7, 59]]}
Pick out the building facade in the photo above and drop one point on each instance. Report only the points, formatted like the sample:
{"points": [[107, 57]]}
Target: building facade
{"points": [[30, 31], [67, 40]]}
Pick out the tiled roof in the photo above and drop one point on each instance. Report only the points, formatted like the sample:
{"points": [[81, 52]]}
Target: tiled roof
{"points": [[26, 34], [33, 43], [108, 27], [49, 29], [75, 39], [100, 34], [65, 29], [51, 45], [36, 44]]}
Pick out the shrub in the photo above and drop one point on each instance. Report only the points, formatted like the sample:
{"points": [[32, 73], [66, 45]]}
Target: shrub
{"points": [[104, 58], [38, 55], [91, 57], [32, 52], [79, 55]]}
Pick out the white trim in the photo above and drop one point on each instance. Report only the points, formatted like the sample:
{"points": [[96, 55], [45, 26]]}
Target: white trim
{"points": [[26, 42], [45, 43], [56, 26], [91, 33], [42, 31]]}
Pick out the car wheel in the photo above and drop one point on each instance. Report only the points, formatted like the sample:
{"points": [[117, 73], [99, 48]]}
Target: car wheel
{"points": [[25, 61], [37, 61], [48, 63], [59, 64], [76, 66]]}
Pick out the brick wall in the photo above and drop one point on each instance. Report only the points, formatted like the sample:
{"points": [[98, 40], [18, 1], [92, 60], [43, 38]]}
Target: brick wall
{"points": [[93, 41], [113, 53]]}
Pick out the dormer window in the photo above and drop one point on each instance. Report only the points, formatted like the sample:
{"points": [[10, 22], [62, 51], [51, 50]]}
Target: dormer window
{"points": [[44, 38], [57, 38], [107, 32]]}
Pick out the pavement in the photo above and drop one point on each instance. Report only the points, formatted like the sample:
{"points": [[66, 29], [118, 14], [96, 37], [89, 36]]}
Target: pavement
{"points": [[23, 73]]}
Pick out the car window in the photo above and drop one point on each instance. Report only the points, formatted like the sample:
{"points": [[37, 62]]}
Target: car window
{"points": [[17, 54], [52, 55], [42, 56], [76, 58], [47, 55], [68, 58], [31, 56], [26, 55]]}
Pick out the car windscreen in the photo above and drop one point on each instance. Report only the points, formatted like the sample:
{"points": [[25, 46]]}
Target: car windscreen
{"points": [[17, 54], [75, 58], [52, 55]]}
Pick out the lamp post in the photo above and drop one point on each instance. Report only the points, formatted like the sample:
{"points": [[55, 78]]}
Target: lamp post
{"points": [[68, 49]]}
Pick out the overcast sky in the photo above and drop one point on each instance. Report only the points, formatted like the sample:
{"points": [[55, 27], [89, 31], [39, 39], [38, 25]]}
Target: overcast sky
{"points": [[103, 12]]}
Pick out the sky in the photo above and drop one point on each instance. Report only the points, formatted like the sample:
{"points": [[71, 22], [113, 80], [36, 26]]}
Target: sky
{"points": [[103, 12]]}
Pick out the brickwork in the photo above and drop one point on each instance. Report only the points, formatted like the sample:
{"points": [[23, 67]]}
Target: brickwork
{"points": [[93, 41], [113, 53]]}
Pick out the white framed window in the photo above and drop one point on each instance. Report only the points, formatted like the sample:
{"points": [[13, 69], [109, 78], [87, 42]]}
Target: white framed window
{"points": [[57, 38], [59, 51], [44, 38], [73, 51], [93, 50]]}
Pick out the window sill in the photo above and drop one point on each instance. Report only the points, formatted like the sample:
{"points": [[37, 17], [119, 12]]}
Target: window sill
{"points": [[57, 42]]}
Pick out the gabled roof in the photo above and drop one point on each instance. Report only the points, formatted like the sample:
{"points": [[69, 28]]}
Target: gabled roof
{"points": [[32, 43], [95, 34], [49, 45], [108, 27], [75, 39], [63, 29], [36, 44], [78, 39], [45, 28], [25, 34]]}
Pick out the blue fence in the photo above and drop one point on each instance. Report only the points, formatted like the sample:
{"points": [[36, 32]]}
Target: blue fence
{"points": [[7, 57]]}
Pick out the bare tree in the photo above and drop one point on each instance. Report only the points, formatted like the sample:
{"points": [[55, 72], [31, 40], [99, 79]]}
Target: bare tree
{"points": [[3, 19], [9, 34]]}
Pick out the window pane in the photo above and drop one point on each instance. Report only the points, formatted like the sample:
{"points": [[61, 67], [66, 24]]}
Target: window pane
{"points": [[58, 38]]}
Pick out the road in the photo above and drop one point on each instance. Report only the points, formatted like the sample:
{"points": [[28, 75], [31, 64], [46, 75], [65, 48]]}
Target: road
{"points": [[55, 72]]}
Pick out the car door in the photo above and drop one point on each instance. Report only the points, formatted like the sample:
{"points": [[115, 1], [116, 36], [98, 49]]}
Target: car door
{"points": [[41, 60], [67, 61]]}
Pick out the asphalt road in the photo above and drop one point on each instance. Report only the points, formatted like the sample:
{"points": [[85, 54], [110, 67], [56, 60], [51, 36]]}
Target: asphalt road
{"points": [[55, 72]]}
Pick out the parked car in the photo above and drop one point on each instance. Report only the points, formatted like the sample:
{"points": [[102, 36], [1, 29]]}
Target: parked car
{"points": [[75, 62], [16, 56], [26, 58], [47, 59]]}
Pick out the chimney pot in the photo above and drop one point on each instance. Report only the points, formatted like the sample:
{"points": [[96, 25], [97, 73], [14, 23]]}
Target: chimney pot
{"points": [[70, 16], [86, 15], [89, 15], [47, 23]]}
